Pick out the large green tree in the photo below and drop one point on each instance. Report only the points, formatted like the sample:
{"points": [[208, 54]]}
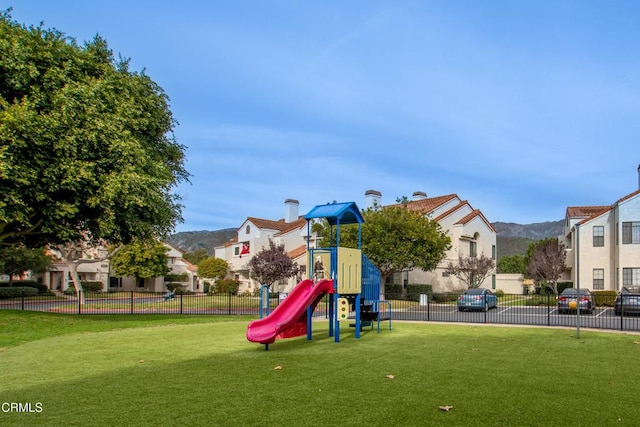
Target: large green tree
{"points": [[141, 260], [87, 145], [395, 238]]}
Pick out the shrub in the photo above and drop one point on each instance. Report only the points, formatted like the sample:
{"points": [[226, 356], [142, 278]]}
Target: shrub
{"points": [[91, 286], [392, 291], [70, 291], [227, 285], [443, 298], [415, 290], [28, 283], [499, 293], [604, 298], [206, 285], [17, 292], [174, 287], [544, 300], [182, 277]]}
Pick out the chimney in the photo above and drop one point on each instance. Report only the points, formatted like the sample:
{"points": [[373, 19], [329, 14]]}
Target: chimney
{"points": [[372, 198], [291, 210], [419, 195]]}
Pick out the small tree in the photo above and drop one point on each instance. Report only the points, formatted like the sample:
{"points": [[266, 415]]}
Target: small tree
{"points": [[472, 270], [213, 268], [271, 264], [18, 259], [141, 260], [546, 263], [395, 238], [514, 264]]}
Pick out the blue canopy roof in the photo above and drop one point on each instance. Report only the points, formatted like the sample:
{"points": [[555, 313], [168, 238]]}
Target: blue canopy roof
{"points": [[345, 213]]}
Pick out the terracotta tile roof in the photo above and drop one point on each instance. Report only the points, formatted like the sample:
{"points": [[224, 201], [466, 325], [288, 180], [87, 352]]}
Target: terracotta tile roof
{"points": [[190, 266], [299, 251], [295, 225], [475, 214], [628, 196], [597, 214], [427, 205], [452, 210], [230, 242], [584, 211], [279, 225]]}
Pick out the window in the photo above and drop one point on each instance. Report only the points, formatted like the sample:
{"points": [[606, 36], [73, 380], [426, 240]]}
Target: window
{"points": [[630, 233], [598, 278], [473, 248], [493, 252], [247, 229], [630, 276], [598, 235], [236, 250]]}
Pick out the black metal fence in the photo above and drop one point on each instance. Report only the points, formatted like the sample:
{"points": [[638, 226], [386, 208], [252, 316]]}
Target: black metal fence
{"points": [[540, 310]]}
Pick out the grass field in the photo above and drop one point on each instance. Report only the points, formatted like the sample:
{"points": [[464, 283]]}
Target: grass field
{"points": [[183, 370]]}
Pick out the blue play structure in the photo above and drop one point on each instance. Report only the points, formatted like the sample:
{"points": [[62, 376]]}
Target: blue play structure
{"points": [[356, 280], [346, 275]]}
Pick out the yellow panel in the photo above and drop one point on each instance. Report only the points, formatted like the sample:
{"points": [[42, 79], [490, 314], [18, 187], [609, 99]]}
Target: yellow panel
{"points": [[343, 309], [349, 271]]}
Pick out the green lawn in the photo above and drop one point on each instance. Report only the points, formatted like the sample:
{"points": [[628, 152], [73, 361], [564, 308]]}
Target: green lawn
{"points": [[183, 370]]}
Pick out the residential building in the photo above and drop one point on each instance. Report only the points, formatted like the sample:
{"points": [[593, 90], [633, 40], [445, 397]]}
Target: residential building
{"points": [[603, 244], [254, 235], [59, 277], [470, 232]]}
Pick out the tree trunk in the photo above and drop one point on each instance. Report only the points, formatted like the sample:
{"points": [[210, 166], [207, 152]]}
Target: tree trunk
{"points": [[75, 278]]}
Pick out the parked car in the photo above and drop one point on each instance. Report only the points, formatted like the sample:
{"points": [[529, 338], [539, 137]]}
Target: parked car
{"points": [[477, 299], [568, 301], [628, 301]]}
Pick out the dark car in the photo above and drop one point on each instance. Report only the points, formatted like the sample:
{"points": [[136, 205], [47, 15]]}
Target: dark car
{"points": [[628, 301], [477, 299], [568, 301]]}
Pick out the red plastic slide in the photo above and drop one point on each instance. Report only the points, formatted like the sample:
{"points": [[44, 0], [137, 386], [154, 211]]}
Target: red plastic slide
{"points": [[289, 312]]}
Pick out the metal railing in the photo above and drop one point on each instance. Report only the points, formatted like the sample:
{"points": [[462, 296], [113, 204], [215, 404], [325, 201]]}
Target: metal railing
{"points": [[539, 310]]}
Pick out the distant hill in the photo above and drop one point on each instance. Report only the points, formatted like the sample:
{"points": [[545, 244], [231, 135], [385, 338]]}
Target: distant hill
{"points": [[513, 239], [189, 241]]}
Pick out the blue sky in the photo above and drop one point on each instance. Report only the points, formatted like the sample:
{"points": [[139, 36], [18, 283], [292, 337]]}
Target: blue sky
{"points": [[520, 107]]}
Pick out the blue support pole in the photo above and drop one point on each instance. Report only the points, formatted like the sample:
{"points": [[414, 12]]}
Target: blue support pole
{"points": [[332, 313], [309, 333], [336, 322], [357, 316]]}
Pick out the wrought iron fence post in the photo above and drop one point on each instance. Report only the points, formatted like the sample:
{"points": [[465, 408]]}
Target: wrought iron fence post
{"points": [[548, 310], [22, 293], [621, 311], [131, 303], [180, 302], [80, 298], [229, 303]]}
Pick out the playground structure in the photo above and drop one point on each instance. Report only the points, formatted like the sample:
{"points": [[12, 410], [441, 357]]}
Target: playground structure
{"points": [[346, 275]]}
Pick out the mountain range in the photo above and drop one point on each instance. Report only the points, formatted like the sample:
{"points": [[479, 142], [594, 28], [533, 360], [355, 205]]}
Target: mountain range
{"points": [[513, 239]]}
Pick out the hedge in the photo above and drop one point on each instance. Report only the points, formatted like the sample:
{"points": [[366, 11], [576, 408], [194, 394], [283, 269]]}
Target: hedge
{"points": [[415, 290], [605, 298], [17, 292], [26, 283], [392, 291]]}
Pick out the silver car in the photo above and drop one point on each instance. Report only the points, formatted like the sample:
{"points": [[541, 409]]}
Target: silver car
{"points": [[568, 301]]}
